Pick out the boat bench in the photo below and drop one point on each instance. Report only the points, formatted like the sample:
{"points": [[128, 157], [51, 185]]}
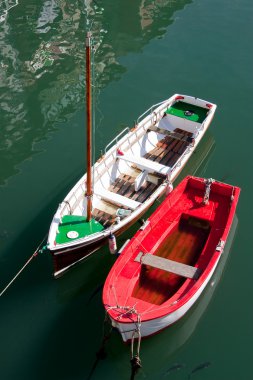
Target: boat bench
{"points": [[145, 164], [175, 267], [116, 198], [175, 135]]}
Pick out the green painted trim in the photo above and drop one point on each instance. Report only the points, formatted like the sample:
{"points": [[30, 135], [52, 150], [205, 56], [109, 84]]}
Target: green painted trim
{"points": [[79, 224], [178, 109]]}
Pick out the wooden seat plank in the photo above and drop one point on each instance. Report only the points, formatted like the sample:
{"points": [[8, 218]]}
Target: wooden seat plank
{"points": [[145, 164], [116, 198], [178, 134], [175, 267]]}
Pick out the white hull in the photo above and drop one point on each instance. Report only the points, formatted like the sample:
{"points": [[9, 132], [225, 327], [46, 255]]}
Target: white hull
{"points": [[135, 144], [153, 326]]}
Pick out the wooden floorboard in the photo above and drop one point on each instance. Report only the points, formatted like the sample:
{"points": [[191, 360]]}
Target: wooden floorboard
{"points": [[166, 152], [127, 186], [146, 192], [102, 217]]}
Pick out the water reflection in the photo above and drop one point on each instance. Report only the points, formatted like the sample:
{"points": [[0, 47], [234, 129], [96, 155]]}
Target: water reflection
{"points": [[5, 6], [42, 61]]}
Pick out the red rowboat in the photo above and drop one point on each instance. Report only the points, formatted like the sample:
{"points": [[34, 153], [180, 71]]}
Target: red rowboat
{"points": [[165, 267]]}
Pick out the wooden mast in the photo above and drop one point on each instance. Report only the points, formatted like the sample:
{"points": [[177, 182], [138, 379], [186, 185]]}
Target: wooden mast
{"points": [[89, 125]]}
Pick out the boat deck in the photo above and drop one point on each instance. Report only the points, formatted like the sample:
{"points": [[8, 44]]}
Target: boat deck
{"points": [[184, 246], [189, 112], [166, 152]]}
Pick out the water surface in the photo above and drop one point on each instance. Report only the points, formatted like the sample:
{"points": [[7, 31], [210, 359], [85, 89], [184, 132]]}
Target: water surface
{"points": [[145, 52]]}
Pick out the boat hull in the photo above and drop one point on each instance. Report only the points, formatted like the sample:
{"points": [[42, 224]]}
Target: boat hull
{"points": [[154, 154], [162, 271], [66, 259], [154, 326]]}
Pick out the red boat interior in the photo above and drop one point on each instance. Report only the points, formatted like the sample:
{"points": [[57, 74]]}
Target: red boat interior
{"points": [[184, 244], [172, 257]]}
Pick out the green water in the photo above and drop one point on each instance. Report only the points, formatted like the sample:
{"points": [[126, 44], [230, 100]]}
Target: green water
{"points": [[147, 51]]}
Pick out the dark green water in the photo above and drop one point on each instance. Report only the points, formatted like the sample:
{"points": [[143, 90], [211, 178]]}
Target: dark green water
{"points": [[148, 51]]}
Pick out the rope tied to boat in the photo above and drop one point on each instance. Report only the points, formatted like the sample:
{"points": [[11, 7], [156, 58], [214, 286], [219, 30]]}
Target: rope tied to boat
{"points": [[107, 329], [232, 195], [130, 312], [135, 356], [156, 118], [35, 253], [208, 183], [101, 353]]}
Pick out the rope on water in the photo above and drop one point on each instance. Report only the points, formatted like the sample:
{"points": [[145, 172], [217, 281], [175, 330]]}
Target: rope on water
{"points": [[101, 353], [135, 356], [129, 311], [24, 266], [107, 330]]}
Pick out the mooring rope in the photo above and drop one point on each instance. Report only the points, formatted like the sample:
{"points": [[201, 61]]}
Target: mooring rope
{"points": [[35, 253], [136, 334], [135, 357], [101, 353]]}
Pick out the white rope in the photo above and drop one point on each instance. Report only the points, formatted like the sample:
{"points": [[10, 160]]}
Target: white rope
{"points": [[208, 183], [23, 267], [137, 332]]}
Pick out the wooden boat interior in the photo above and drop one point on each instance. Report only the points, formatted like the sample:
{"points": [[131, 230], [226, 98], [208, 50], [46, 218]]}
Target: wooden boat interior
{"points": [[171, 264], [184, 245]]}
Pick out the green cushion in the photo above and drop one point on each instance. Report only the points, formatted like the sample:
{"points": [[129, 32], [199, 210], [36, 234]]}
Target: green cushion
{"points": [[78, 224], [195, 113]]}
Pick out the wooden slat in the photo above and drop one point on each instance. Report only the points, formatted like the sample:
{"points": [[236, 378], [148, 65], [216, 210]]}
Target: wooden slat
{"points": [[126, 188], [180, 269], [147, 191], [168, 158], [117, 184], [102, 217], [128, 183], [178, 134]]}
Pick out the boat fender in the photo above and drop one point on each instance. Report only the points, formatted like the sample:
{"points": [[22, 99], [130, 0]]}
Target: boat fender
{"points": [[117, 220], [112, 244], [169, 188], [120, 152]]}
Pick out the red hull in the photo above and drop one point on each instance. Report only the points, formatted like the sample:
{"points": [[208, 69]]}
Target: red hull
{"points": [[184, 235]]}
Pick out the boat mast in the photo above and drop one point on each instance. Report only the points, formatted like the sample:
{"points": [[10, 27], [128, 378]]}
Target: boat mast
{"points": [[89, 125]]}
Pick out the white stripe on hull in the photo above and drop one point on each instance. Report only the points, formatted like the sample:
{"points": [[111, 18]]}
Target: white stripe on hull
{"points": [[153, 326]]}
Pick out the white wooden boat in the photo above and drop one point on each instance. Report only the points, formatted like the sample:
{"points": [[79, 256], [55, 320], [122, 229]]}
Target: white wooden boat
{"points": [[137, 167]]}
